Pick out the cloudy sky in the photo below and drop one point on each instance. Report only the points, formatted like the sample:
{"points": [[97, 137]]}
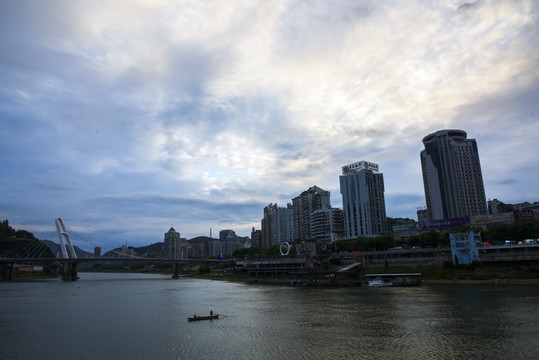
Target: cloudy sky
{"points": [[127, 117]]}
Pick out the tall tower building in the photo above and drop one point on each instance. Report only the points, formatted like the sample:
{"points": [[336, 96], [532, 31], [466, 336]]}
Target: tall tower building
{"points": [[362, 189], [276, 225], [175, 246], [256, 238], [452, 176], [303, 206], [172, 244]]}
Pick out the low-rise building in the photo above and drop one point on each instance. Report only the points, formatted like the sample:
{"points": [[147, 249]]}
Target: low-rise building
{"points": [[465, 247]]}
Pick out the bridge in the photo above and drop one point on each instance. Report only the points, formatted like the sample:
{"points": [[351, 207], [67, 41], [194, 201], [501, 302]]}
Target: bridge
{"points": [[70, 266], [69, 263]]}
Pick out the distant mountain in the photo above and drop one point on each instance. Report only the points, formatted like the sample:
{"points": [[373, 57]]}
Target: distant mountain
{"points": [[200, 239], [55, 248], [156, 249]]}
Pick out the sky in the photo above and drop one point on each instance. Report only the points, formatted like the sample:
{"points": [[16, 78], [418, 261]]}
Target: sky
{"points": [[125, 118]]}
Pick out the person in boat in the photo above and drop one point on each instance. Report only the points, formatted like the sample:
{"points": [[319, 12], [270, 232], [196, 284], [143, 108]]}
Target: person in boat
{"points": [[211, 313]]}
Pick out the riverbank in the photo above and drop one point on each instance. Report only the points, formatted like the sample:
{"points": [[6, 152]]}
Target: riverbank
{"points": [[485, 282], [516, 273], [323, 282]]}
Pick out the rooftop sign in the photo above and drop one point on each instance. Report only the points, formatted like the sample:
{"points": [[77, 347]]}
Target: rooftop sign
{"points": [[357, 166]]}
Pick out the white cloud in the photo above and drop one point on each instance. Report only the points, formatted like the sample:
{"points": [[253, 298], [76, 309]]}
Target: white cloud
{"points": [[251, 102]]}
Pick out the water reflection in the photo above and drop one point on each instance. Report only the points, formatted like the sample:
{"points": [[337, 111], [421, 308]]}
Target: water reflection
{"points": [[121, 316]]}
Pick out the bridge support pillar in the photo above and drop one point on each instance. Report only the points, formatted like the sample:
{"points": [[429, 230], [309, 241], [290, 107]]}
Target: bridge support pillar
{"points": [[7, 271], [70, 271], [176, 271]]}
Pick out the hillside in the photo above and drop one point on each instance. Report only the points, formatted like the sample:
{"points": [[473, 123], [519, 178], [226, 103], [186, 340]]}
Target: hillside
{"points": [[55, 249], [21, 243]]}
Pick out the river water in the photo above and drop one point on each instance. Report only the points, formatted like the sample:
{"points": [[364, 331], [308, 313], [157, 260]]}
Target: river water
{"points": [[144, 316]]}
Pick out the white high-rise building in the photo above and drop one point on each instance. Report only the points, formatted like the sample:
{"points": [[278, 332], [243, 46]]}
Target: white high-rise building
{"points": [[362, 189], [276, 225], [452, 176], [303, 206]]}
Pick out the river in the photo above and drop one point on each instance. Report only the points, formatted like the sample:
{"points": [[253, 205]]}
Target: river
{"points": [[144, 316]]}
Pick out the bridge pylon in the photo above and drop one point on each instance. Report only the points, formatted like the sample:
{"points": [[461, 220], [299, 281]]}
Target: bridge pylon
{"points": [[62, 233], [71, 268]]}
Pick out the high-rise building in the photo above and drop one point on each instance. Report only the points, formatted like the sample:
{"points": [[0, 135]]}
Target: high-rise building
{"points": [[256, 238], [362, 189], [276, 224], [303, 206], [422, 214], [175, 247], [227, 234], [452, 176], [327, 225], [229, 242]]}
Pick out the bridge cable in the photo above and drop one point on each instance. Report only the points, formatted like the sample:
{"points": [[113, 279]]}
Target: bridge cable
{"points": [[25, 249], [113, 251]]}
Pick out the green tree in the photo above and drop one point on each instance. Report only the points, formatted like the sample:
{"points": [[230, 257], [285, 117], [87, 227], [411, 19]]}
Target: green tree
{"points": [[21, 243], [444, 239], [204, 269], [414, 241], [430, 239], [498, 234], [523, 230]]}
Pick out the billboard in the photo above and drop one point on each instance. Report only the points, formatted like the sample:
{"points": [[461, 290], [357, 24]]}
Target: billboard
{"points": [[445, 224], [407, 227], [357, 166], [484, 221], [25, 268], [479, 221], [523, 215], [504, 218]]}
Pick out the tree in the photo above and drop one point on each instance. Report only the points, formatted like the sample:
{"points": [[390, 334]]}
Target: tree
{"points": [[21, 242], [204, 269], [523, 230], [381, 242], [414, 241], [498, 233], [444, 239], [430, 239]]}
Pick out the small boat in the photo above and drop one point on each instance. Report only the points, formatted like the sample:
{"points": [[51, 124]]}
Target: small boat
{"points": [[404, 279], [379, 283], [197, 318]]}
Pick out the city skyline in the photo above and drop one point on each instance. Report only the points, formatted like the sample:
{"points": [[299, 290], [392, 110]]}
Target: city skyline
{"points": [[123, 118]]}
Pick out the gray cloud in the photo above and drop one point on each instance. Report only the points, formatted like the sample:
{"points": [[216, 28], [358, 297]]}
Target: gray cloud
{"points": [[507, 182], [466, 5], [126, 119]]}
